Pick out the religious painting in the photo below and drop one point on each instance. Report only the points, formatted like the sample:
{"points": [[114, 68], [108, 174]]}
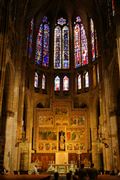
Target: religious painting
{"points": [[54, 147], [47, 135], [68, 134], [62, 141], [75, 134], [61, 111], [47, 146], [76, 146], [69, 147], [41, 146], [77, 121], [61, 121], [82, 147], [73, 147], [45, 120]]}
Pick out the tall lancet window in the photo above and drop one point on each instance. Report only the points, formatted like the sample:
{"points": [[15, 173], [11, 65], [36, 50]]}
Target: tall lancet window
{"points": [[79, 82], [86, 79], [57, 83], [113, 7], [65, 83], [43, 82], [30, 38], [42, 44], [80, 44], [94, 42], [36, 80], [61, 45]]}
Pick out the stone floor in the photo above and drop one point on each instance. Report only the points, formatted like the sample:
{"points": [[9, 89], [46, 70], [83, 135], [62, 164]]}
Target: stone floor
{"points": [[47, 177]]}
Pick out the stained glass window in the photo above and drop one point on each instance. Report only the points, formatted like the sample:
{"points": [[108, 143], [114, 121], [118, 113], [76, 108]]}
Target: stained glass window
{"points": [[43, 81], [86, 79], [84, 46], [96, 44], [57, 83], [57, 48], [65, 83], [113, 7], [94, 41], [65, 45], [79, 85], [36, 80], [42, 44], [30, 38], [61, 45], [80, 44], [77, 53]]}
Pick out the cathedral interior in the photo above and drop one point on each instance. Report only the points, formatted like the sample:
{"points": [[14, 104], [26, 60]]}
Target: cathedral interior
{"points": [[59, 83]]}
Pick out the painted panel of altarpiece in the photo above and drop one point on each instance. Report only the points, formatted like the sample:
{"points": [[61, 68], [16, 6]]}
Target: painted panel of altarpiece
{"points": [[61, 129]]}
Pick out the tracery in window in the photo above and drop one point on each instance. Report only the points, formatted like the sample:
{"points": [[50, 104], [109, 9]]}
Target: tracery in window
{"points": [[30, 38], [57, 83], [61, 45], [42, 44], [36, 80], [65, 83], [80, 44], [79, 82], [43, 81]]}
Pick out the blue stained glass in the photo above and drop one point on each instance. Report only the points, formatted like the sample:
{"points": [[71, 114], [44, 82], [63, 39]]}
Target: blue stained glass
{"points": [[78, 19], [38, 56], [30, 39], [65, 52], [45, 19], [61, 45], [46, 46], [57, 48], [61, 21], [42, 44]]}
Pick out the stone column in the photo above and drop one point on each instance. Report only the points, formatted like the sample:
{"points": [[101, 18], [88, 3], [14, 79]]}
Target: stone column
{"points": [[8, 141], [93, 125], [114, 141], [118, 45], [16, 90]]}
